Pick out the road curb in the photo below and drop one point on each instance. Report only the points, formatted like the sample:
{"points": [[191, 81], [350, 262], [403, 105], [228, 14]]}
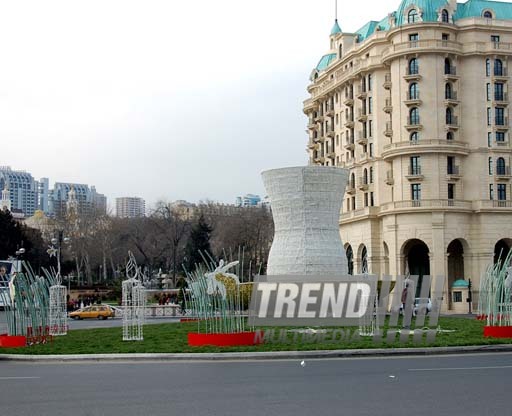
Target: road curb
{"points": [[270, 355]]}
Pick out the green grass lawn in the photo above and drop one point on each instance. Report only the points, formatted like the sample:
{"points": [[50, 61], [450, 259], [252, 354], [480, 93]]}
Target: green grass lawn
{"points": [[172, 338]]}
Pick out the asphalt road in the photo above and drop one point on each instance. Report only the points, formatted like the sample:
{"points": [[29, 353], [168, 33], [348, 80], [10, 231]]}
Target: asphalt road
{"points": [[94, 323], [470, 385]]}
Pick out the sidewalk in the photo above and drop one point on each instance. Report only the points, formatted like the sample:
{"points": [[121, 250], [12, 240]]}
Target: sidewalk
{"points": [[270, 355]]}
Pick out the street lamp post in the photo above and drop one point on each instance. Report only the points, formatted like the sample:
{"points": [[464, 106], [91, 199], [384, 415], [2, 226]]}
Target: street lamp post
{"points": [[56, 248]]}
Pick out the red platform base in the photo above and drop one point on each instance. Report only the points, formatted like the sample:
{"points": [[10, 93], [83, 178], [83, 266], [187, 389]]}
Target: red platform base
{"points": [[224, 340], [7, 341], [498, 331]]}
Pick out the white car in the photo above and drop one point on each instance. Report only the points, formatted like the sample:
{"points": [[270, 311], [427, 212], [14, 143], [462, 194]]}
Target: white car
{"points": [[422, 304]]}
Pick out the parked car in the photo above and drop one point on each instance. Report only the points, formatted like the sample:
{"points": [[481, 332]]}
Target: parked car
{"points": [[422, 304], [93, 311]]}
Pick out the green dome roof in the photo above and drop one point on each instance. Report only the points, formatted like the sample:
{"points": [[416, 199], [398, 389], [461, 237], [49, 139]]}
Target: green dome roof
{"points": [[460, 284], [429, 10], [336, 28]]}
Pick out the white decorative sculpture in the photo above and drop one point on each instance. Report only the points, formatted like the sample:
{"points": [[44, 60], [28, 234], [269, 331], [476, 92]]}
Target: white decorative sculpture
{"points": [[215, 286], [306, 203], [134, 303], [58, 313]]}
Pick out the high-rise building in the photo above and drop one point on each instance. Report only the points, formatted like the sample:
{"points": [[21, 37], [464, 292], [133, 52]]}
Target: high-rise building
{"points": [[248, 200], [43, 190], [22, 190], [88, 199], [130, 207], [416, 106]]}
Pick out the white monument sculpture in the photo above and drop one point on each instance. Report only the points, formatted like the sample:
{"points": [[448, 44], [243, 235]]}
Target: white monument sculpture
{"points": [[134, 302], [306, 203], [58, 309]]}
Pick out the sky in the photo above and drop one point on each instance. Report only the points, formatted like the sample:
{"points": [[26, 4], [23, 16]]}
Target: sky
{"points": [[164, 100]]}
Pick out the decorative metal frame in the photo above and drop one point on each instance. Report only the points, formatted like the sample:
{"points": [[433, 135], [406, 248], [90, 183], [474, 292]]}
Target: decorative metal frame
{"points": [[134, 302], [27, 305], [215, 298]]}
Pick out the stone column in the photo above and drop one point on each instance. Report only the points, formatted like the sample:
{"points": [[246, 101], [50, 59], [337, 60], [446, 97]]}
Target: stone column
{"points": [[306, 203]]}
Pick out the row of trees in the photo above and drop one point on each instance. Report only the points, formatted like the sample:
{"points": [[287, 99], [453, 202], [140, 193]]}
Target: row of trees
{"points": [[167, 240]]}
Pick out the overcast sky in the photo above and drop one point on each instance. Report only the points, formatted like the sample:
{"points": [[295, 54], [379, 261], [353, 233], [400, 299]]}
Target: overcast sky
{"points": [[162, 99]]}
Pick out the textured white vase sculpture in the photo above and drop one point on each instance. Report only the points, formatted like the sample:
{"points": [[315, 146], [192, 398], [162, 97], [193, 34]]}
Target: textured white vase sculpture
{"points": [[306, 203]]}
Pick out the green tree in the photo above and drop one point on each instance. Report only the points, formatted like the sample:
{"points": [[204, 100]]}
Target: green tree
{"points": [[198, 243], [14, 235]]}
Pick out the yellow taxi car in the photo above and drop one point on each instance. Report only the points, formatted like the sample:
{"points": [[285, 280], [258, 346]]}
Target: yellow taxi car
{"points": [[94, 311]]}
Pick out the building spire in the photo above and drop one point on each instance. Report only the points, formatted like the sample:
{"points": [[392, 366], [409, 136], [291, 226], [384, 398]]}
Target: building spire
{"points": [[336, 28]]}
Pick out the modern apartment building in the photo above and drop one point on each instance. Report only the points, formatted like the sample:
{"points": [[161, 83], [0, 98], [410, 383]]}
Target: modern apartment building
{"points": [[88, 199], [416, 106], [130, 207], [22, 188]]}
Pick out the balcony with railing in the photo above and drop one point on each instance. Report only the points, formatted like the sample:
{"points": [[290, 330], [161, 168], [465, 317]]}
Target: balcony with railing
{"points": [[362, 116], [363, 183], [418, 46], [349, 145], [389, 178], [502, 172], [362, 93], [452, 123], [425, 146], [453, 172], [349, 123], [450, 73], [500, 75], [493, 204], [501, 123], [413, 123], [412, 74], [389, 129], [412, 98], [330, 132], [329, 109], [388, 105], [414, 173], [387, 81], [427, 204], [362, 138], [450, 97], [500, 99], [349, 99]]}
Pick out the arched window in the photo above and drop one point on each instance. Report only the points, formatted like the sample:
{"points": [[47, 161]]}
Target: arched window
{"points": [[371, 174], [364, 260], [500, 166], [414, 136], [413, 91], [447, 66], [445, 18], [488, 14], [488, 67], [414, 116], [340, 51], [498, 67], [352, 181], [413, 66], [448, 91], [449, 136], [365, 177], [412, 16], [350, 259], [449, 116]]}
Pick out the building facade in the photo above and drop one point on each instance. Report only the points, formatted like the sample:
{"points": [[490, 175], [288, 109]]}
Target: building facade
{"points": [[88, 199], [416, 106], [22, 190], [130, 207]]}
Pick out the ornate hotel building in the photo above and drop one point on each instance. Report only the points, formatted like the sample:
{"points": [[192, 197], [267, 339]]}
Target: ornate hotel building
{"points": [[416, 106]]}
